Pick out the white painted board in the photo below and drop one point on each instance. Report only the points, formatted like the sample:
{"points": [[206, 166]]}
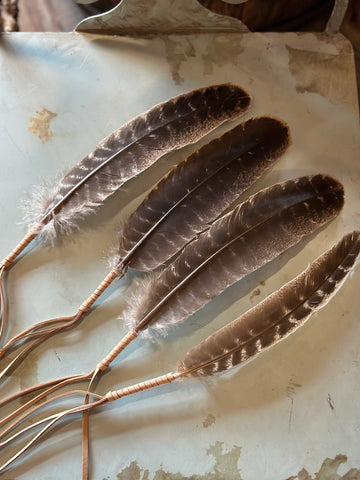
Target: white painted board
{"points": [[272, 417]]}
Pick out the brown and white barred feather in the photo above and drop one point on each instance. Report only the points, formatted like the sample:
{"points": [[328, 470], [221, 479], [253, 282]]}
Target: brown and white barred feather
{"points": [[250, 236], [277, 316], [130, 150]]}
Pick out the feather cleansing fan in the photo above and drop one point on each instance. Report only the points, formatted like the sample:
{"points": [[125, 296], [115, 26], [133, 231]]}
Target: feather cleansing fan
{"points": [[122, 155], [266, 324], [191, 196]]}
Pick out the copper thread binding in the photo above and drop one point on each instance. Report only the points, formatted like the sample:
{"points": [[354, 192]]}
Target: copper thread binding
{"points": [[99, 290], [138, 387], [129, 337], [29, 237]]}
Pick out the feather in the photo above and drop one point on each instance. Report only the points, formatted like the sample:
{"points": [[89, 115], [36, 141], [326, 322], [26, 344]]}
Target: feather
{"points": [[195, 192], [130, 150], [277, 316], [242, 241]]}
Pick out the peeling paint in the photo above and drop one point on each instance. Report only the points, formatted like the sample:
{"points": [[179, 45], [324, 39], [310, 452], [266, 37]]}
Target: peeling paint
{"points": [[133, 472], [176, 54], [226, 466], [209, 420], [329, 471], [40, 125], [311, 72], [255, 293], [220, 51]]}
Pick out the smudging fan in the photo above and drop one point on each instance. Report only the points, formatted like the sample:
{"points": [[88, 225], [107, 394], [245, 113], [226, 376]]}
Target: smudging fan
{"points": [[248, 237], [272, 320], [191, 196], [122, 155]]}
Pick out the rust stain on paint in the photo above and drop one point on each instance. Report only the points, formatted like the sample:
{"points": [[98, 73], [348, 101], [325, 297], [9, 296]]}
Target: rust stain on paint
{"points": [[209, 420], [329, 75]]}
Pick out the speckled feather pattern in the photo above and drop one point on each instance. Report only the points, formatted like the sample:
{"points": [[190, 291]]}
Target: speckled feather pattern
{"points": [[237, 244], [278, 315], [198, 190], [130, 150]]}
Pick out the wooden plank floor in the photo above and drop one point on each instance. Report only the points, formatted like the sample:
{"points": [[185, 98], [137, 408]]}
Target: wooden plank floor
{"points": [[52, 15]]}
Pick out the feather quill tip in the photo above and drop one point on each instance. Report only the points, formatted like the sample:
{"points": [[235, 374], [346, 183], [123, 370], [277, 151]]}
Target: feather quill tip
{"points": [[33, 209], [136, 302]]}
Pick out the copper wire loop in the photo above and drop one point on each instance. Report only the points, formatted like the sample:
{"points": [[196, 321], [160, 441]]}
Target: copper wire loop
{"points": [[138, 387], [129, 337], [84, 307], [21, 246]]}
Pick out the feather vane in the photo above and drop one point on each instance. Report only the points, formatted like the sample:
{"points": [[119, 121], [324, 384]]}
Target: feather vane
{"points": [[130, 150], [195, 192], [277, 316], [242, 241]]}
